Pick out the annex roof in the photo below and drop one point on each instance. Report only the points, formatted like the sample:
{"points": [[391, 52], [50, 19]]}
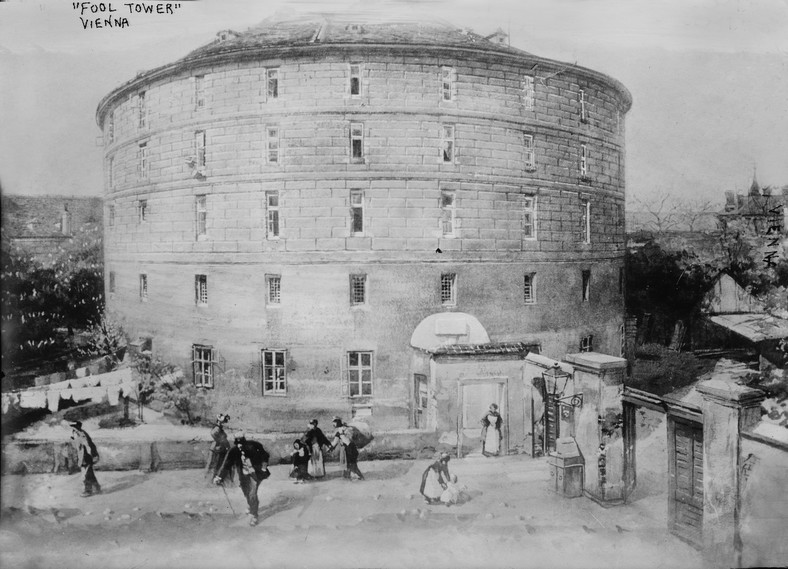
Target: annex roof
{"points": [[756, 327], [501, 348]]}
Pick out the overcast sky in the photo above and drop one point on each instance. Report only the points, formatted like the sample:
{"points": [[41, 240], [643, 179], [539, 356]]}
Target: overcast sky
{"points": [[709, 78]]}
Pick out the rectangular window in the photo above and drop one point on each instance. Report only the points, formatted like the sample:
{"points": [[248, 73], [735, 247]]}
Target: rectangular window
{"points": [[585, 221], [622, 334], [142, 157], [272, 83], [586, 285], [111, 172], [272, 144], [274, 372], [112, 216], [201, 216], [143, 288], [447, 143], [529, 288], [449, 289], [199, 148], [142, 210], [202, 365], [199, 92], [142, 111], [274, 289], [112, 282], [587, 343], [355, 80], [621, 277], [529, 156], [201, 290], [111, 128], [359, 373], [356, 212], [357, 141], [358, 290], [583, 110], [583, 161], [448, 83], [529, 217], [272, 212], [528, 93], [448, 212]]}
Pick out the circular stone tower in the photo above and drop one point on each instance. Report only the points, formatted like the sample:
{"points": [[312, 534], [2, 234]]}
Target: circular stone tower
{"points": [[286, 205]]}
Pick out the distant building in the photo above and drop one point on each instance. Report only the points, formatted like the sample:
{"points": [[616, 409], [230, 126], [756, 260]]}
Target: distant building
{"points": [[763, 209], [39, 225], [287, 206]]}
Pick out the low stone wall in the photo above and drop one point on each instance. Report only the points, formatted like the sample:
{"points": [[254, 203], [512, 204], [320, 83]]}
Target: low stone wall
{"points": [[763, 514], [38, 457]]}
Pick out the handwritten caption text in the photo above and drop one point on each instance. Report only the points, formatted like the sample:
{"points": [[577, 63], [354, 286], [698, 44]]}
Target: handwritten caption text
{"points": [[98, 15]]}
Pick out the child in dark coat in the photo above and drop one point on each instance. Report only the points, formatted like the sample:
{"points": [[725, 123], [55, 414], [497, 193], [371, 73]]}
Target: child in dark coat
{"points": [[301, 457]]}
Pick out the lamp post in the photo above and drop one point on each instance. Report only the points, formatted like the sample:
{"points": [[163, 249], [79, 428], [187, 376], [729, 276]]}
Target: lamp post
{"points": [[555, 402]]}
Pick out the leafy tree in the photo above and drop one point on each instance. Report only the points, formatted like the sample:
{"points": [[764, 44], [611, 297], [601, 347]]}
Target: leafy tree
{"points": [[39, 299], [105, 338], [658, 284]]}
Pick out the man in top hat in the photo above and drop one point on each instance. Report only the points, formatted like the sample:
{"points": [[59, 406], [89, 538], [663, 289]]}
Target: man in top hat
{"points": [[220, 445], [250, 460], [87, 456]]}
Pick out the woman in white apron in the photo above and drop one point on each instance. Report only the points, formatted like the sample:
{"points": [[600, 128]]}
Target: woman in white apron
{"points": [[492, 423], [315, 440]]}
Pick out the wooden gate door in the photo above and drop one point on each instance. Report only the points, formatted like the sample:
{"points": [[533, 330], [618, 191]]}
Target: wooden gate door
{"points": [[630, 454], [685, 467]]}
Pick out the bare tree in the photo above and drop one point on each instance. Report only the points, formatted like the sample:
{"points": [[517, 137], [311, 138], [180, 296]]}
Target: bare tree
{"points": [[661, 212], [693, 213]]}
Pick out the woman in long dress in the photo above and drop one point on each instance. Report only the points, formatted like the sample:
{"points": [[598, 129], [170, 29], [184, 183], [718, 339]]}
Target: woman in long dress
{"points": [[491, 431], [435, 479], [315, 440]]}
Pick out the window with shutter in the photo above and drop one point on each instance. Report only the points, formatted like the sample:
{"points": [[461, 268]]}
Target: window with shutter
{"points": [[274, 372]]}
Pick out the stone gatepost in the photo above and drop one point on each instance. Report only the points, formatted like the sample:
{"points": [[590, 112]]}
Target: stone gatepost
{"points": [[598, 424], [728, 408]]}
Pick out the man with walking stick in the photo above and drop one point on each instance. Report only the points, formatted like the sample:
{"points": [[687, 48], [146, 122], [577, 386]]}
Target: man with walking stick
{"points": [[250, 460]]}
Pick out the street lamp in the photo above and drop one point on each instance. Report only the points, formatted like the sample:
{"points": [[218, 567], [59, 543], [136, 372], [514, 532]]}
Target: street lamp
{"points": [[555, 402]]}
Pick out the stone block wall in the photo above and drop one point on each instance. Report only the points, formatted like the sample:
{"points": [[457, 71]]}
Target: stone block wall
{"points": [[401, 176]]}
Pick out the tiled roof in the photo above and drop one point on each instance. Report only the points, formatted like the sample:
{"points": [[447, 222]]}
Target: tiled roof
{"points": [[40, 216], [486, 349]]}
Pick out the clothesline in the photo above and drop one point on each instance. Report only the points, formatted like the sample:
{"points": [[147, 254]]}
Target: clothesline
{"points": [[110, 386]]}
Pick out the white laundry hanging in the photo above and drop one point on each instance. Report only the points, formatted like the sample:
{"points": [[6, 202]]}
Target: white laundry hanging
{"points": [[97, 394], [33, 399], [113, 394], [53, 400], [81, 393]]}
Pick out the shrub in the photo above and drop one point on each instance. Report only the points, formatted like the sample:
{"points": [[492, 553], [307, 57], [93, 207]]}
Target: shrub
{"points": [[116, 422]]}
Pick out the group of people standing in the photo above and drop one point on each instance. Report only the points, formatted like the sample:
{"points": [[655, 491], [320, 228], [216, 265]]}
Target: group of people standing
{"points": [[249, 459]]}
